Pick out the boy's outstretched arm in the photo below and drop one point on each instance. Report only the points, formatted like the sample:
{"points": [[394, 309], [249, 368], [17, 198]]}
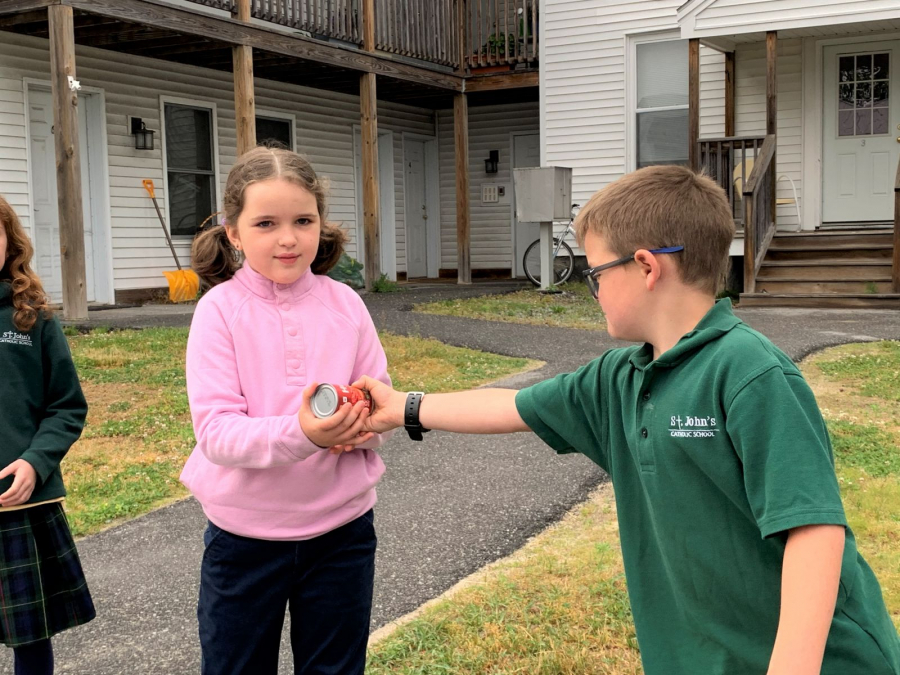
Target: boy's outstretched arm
{"points": [[480, 411], [811, 572]]}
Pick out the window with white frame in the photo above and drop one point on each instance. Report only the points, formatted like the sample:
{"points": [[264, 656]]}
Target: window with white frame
{"points": [[661, 108], [274, 130], [190, 165]]}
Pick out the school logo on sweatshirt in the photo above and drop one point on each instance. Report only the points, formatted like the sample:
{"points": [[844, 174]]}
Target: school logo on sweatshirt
{"points": [[13, 338], [691, 426]]}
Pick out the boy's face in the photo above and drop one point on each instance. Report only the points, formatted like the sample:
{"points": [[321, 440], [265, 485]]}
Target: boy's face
{"points": [[621, 291]]}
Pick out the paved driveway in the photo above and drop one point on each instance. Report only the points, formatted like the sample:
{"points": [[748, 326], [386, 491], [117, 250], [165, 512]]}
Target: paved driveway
{"points": [[446, 507]]}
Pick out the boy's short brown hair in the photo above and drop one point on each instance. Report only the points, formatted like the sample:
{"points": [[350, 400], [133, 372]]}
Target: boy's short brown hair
{"points": [[666, 206]]}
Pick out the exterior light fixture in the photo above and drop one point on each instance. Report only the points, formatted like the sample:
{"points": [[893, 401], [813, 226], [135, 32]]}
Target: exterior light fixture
{"points": [[143, 137], [492, 163]]}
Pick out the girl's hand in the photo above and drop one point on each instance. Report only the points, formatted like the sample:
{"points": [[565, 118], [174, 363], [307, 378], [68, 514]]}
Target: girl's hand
{"points": [[388, 405], [344, 428], [23, 483]]}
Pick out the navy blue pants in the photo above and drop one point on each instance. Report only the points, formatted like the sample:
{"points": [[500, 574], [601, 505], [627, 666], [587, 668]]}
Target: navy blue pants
{"points": [[246, 584]]}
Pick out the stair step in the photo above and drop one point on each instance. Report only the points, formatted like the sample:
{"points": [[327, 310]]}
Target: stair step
{"points": [[834, 239], [873, 252], [813, 286], [815, 270], [822, 300]]}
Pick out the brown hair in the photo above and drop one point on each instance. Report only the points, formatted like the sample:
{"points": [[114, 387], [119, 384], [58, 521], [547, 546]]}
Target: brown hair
{"points": [[666, 206], [28, 297], [213, 257]]}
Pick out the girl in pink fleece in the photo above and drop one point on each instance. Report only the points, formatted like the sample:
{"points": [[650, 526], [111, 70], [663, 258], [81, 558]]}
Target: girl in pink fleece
{"points": [[290, 523]]}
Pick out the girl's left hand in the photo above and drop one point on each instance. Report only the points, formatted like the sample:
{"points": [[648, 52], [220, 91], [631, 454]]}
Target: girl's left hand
{"points": [[23, 483]]}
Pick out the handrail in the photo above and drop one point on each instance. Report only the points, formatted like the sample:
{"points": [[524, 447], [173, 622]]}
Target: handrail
{"points": [[895, 262], [759, 212], [729, 139], [728, 161]]}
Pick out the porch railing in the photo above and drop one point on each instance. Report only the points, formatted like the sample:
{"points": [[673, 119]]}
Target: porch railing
{"points": [[501, 32], [895, 261], [338, 19], [420, 29], [759, 212], [730, 161]]}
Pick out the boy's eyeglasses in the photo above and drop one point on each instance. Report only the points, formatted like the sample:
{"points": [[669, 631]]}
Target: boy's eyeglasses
{"points": [[590, 276]]}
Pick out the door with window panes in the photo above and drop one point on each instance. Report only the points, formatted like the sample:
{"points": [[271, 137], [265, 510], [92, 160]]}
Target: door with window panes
{"points": [[661, 105], [861, 132], [190, 167]]}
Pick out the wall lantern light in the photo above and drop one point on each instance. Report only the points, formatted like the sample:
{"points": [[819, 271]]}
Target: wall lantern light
{"points": [[491, 164], [143, 137]]}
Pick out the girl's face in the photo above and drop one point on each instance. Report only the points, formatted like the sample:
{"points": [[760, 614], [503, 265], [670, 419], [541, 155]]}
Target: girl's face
{"points": [[278, 229], [2, 245]]}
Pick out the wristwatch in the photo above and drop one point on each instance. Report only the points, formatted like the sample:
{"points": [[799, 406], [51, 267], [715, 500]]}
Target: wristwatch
{"points": [[411, 415]]}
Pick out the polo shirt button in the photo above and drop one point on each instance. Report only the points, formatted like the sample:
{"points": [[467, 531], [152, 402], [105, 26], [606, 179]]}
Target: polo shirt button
{"points": [[646, 396], [644, 433], [292, 332], [294, 365], [285, 306]]}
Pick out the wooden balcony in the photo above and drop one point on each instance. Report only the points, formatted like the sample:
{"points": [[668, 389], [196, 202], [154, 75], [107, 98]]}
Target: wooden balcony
{"points": [[488, 35]]}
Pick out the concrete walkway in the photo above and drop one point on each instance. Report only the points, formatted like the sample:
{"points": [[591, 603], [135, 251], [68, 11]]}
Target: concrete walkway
{"points": [[446, 507]]}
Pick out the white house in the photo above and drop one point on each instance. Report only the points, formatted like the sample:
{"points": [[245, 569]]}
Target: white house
{"points": [[443, 106], [628, 83]]}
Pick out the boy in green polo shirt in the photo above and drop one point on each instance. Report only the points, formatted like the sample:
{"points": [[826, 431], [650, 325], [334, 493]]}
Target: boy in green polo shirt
{"points": [[737, 552]]}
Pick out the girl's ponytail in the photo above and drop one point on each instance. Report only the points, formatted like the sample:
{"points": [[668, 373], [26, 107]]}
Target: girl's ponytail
{"points": [[331, 247], [213, 257]]}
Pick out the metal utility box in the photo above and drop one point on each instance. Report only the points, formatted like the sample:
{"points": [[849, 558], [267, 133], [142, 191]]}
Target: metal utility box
{"points": [[543, 194]]}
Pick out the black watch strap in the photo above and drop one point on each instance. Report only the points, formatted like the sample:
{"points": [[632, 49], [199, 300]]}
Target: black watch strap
{"points": [[411, 415]]}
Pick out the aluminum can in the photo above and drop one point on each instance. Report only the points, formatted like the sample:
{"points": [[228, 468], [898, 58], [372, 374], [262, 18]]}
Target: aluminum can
{"points": [[328, 398]]}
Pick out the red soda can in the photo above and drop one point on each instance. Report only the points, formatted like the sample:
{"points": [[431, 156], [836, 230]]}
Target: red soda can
{"points": [[328, 398]]}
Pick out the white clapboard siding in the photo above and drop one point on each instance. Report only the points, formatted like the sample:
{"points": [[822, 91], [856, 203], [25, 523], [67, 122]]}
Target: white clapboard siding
{"points": [[724, 17], [490, 128], [583, 85], [133, 86], [750, 113]]}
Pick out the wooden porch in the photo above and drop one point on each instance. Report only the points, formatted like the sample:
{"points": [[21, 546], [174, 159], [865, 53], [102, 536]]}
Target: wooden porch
{"points": [[436, 54], [834, 267]]}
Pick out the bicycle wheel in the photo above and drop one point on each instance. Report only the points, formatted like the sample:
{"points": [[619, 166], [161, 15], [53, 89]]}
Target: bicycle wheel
{"points": [[563, 263]]}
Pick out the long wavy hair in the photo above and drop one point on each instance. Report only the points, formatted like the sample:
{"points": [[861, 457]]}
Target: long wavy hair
{"points": [[28, 297]]}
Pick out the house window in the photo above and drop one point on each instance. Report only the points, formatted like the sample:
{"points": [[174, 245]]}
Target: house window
{"points": [[276, 130], [662, 103], [864, 94], [190, 165]]}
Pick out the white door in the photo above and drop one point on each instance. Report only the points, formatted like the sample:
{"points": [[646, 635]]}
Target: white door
{"points": [[386, 197], [861, 131], [43, 189], [526, 153], [416, 210]]}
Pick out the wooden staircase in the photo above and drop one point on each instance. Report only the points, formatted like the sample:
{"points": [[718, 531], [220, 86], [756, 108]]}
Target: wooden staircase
{"points": [[827, 268]]}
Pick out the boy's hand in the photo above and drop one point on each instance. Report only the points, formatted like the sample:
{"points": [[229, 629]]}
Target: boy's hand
{"points": [[387, 405], [23, 483], [343, 429]]}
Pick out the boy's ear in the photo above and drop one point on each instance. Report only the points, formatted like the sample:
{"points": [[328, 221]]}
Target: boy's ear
{"points": [[650, 268]]}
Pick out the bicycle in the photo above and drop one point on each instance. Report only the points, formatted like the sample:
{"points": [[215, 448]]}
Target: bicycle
{"points": [[563, 257]]}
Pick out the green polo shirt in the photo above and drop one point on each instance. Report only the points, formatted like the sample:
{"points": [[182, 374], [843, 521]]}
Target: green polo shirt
{"points": [[715, 450]]}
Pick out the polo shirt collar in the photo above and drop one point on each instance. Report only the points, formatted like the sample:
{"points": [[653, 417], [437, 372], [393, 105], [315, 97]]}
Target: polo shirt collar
{"points": [[718, 320], [259, 285]]}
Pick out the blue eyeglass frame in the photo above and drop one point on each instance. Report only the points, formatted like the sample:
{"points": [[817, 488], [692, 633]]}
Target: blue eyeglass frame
{"points": [[590, 275]]}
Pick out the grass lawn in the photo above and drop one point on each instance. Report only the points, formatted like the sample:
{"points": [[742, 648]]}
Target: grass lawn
{"points": [[573, 308], [139, 434], [559, 606]]}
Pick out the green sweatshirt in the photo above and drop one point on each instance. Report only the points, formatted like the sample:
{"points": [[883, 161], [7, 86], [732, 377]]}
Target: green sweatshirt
{"points": [[42, 408]]}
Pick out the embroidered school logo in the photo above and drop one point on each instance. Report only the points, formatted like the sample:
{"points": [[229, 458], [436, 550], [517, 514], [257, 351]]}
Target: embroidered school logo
{"points": [[691, 426], [13, 338]]}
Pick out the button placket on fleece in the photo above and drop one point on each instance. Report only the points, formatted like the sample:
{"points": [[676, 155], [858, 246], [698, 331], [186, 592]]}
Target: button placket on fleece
{"points": [[292, 336]]}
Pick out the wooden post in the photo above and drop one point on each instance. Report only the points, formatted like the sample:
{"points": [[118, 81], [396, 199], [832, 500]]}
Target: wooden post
{"points": [[68, 167], [461, 135], [694, 103], [772, 110], [244, 97], [368, 104], [729, 94], [368, 18], [463, 33], [895, 260]]}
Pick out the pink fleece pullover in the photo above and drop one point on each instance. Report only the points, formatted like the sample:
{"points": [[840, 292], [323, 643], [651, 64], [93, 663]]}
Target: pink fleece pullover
{"points": [[254, 346]]}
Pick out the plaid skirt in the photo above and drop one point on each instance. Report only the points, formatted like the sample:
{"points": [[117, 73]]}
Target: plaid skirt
{"points": [[42, 586]]}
